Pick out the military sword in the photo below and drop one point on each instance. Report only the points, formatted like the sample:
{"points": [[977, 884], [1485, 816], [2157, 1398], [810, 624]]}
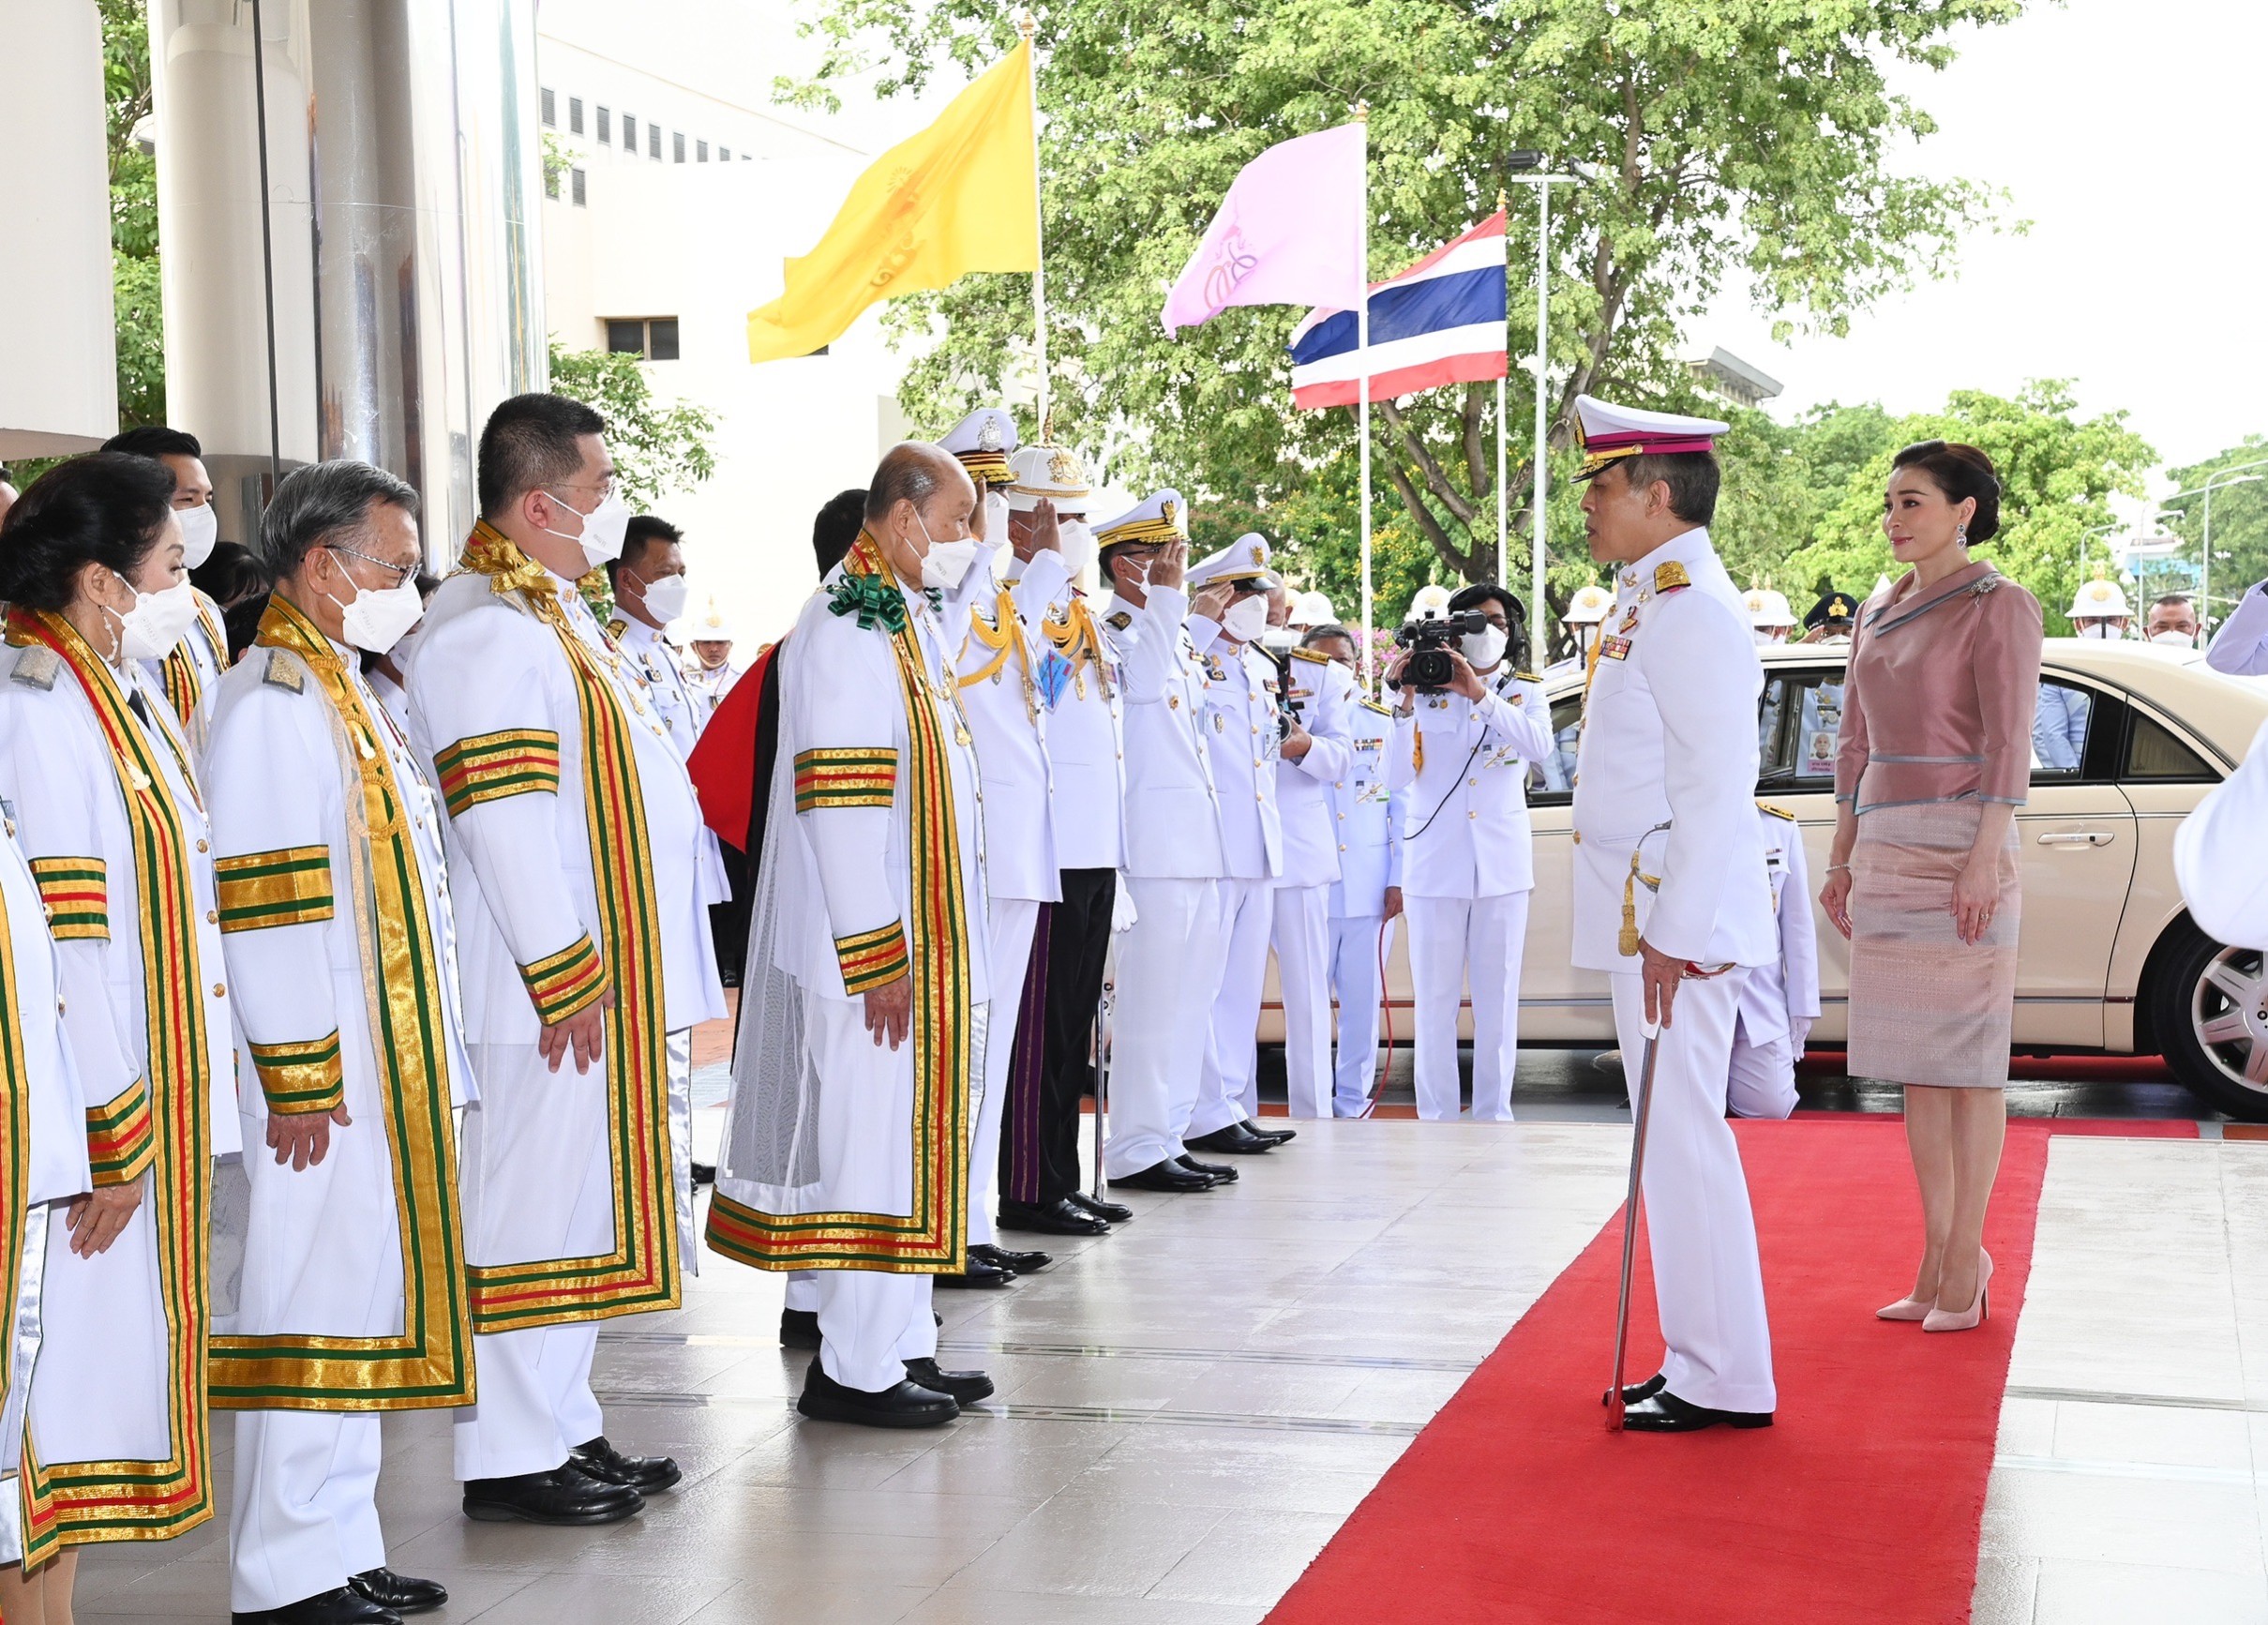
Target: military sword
{"points": [[1629, 1227], [1101, 1059]]}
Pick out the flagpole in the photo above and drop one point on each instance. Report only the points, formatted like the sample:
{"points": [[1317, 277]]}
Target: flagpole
{"points": [[1026, 27], [1504, 510], [1363, 409], [1543, 306]]}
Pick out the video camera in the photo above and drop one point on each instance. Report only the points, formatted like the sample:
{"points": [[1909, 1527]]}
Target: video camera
{"points": [[1429, 670]]}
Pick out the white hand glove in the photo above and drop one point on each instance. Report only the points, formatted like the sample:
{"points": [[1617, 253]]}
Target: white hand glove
{"points": [[1122, 912], [1799, 1029]]}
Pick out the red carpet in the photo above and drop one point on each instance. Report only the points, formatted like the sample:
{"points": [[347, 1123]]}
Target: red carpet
{"points": [[1863, 1503]]}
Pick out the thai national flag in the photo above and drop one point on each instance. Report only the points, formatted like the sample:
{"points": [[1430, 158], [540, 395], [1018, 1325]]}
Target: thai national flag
{"points": [[1440, 321]]}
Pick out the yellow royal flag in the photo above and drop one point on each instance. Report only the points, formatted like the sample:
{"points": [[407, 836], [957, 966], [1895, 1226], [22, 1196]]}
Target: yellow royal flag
{"points": [[961, 196]]}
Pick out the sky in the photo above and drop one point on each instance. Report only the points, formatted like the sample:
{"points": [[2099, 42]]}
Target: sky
{"points": [[2128, 132]]}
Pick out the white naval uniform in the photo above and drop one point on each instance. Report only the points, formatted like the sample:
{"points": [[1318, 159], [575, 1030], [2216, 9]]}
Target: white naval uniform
{"points": [[102, 1390], [1467, 866], [2222, 860], [1169, 962], [1086, 750], [537, 1173], [1367, 819], [323, 1244], [708, 687], [648, 654], [53, 1156], [1241, 740], [2240, 648], [1670, 738], [1001, 694], [1781, 999], [1301, 925]]}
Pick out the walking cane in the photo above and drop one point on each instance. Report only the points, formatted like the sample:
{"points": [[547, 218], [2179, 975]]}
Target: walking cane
{"points": [[1629, 1228], [1101, 1059]]}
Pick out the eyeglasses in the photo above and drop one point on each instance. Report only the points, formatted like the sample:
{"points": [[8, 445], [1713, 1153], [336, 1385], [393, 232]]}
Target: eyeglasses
{"points": [[605, 487], [400, 572]]}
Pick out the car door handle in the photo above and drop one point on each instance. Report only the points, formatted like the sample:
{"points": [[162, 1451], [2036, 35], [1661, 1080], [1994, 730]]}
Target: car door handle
{"points": [[2078, 838]]}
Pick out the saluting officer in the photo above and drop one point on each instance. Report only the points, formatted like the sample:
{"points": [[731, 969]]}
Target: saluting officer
{"points": [[1672, 900]]}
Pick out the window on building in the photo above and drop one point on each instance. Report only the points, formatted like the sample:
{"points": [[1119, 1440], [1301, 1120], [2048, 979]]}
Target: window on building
{"points": [[575, 181], [724, 155], [629, 135], [551, 110], [703, 148], [605, 128], [654, 338], [550, 182], [653, 140], [574, 115], [677, 141]]}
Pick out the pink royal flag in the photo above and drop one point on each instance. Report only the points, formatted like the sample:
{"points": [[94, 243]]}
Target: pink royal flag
{"points": [[1290, 232]]}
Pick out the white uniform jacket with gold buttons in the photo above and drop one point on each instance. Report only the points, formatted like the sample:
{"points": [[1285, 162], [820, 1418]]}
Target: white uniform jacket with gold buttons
{"points": [[999, 672], [1669, 739], [1173, 812], [1081, 685], [1784, 991], [1367, 817], [1324, 695], [648, 657], [1241, 739], [1461, 766]]}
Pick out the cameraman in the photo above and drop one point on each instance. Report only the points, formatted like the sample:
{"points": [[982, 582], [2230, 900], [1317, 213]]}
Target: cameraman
{"points": [[1467, 867]]}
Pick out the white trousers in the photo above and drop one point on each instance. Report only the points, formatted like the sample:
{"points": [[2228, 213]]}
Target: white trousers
{"points": [[1708, 1284], [871, 1322], [1761, 1079], [1356, 945], [1449, 938], [21, 1360], [306, 1511], [1228, 1084], [1303, 938], [1013, 919], [1168, 965]]}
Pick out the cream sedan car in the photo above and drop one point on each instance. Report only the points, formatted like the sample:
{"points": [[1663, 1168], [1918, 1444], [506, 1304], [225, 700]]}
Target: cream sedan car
{"points": [[2130, 736]]}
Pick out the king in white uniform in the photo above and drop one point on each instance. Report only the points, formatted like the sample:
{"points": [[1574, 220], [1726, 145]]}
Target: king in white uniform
{"points": [[1672, 898]]}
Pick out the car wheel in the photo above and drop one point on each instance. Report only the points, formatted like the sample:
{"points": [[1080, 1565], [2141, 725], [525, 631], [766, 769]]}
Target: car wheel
{"points": [[2210, 1007]]}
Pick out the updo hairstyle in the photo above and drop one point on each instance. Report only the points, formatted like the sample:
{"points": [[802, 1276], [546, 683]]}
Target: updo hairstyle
{"points": [[1962, 472], [106, 508]]}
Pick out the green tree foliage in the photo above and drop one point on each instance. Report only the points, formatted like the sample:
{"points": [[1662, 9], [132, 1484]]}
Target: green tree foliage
{"points": [[1719, 139], [658, 449], [125, 71], [1780, 483], [2240, 519]]}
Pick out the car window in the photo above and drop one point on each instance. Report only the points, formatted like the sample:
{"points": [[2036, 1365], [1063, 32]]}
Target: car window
{"points": [[2154, 753], [1798, 723], [2060, 724], [1552, 781]]}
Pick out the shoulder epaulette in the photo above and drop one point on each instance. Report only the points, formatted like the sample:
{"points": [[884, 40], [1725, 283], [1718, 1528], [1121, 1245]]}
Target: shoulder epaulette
{"points": [[1527, 677], [1776, 811], [283, 672], [1121, 621], [1381, 710], [1670, 576], [1312, 655], [38, 667]]}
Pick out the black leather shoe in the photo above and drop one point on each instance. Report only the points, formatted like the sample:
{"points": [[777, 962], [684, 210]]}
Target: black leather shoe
{"points": [[562, 1496], [1166, 1176], [1236, 1139], [1014, 1263], [703, 1174], [1278, 1135], [1109, 1212], [901, 1405], [1220, 1173], [798, 1329], [1059, 1217], [979, 1273], [401, 1592], [1638, 1390], [1664, 1412], [343, 1606], [965, 1387], [594, 1458]]}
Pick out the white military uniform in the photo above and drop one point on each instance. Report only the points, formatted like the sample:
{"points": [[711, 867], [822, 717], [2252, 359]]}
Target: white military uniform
{"points": [[650, 657], [1467, 866], [2240, 648], [1169, 962], [121, 1374], [1366, 817], [1669, 740], [2220, 858], [1324, 694], [1781, 999], [307, 885], [496, 706], [709, 684]]}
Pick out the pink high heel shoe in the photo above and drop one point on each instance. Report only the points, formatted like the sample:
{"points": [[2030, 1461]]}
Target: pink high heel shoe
{"points": [[1977, 1312], [1907, 1309]]}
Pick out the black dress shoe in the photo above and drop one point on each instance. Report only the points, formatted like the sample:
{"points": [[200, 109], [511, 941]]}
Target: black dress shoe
{"points": [[1278, 1135], [1014, 1263], [594, 1458], [704, 1173], [979, 1273], [1638, 1390], [901, 1405], [1220, 1173], [966, 1387], [1060, 1217], [1166, 1176], [562, 1496], [1236, 1139], [1109, 1212], [343, 1606], [798, 1329], [1664, 1412], [401, 1592]]}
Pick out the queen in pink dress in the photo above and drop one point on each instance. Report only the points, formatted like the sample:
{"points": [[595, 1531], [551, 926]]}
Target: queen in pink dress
{"points": [[1934, 759]]}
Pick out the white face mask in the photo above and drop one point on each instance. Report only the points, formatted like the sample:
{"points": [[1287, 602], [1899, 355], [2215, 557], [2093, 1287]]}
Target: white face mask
{"points": [[603, 529], [404, 646], [376, 621], [1768, 635], [946, 563], [157, 622], [2175, 640], [1079, 545], [1482, 650], [199, 534], [2098, 629], [666, 598], [1245, 619], [1279, 638]]}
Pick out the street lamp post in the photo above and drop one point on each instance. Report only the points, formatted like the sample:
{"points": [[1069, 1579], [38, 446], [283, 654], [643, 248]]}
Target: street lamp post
{"points": [[2217, 481], [1535, 161]]}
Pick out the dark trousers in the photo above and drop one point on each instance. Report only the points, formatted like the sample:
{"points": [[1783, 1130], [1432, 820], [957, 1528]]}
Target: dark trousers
{"points": [[728, 920], [1052, 1067]]}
